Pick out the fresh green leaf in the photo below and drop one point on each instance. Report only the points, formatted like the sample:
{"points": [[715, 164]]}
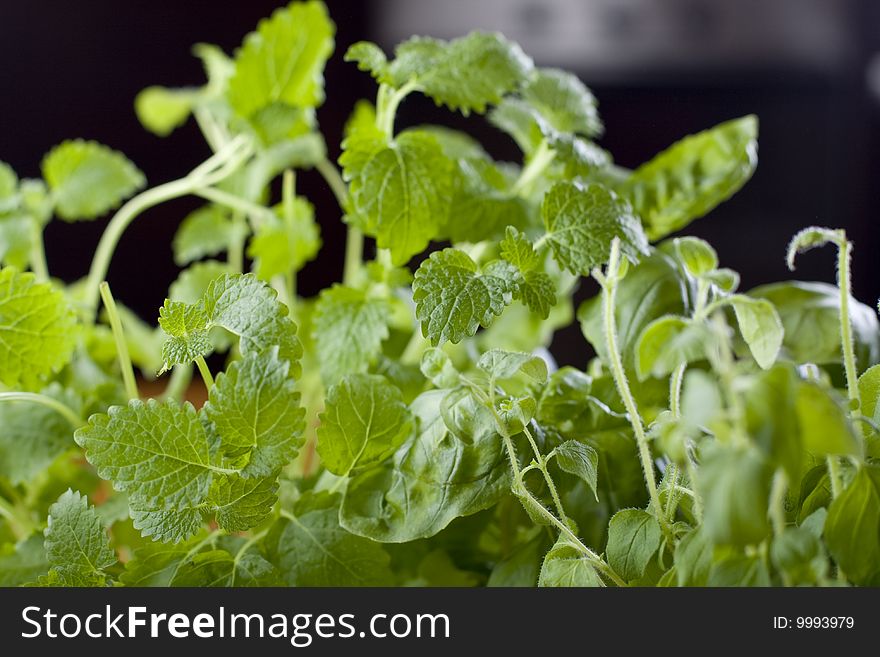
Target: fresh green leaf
{"points": [[77, 545], [668, 342], [760, 327], [187, 330], [37, 329], [161, 110], [565, 566], [283, 61], [852, 529], [694, 175], [564, 101], [454, 296], [87, 179], [205, 232], [633, 538], [363, 423], [287, 243], [582, 222], [581, 460]]}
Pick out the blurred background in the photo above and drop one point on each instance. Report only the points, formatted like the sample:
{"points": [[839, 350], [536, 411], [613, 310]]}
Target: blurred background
{"points": [[810, 69]]}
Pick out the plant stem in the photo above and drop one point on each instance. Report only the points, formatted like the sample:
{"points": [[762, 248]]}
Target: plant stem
{"points": [[551, 486], [609, 292], [675, 390], [234, 202], [354, 254], [414, 349], [388, 100], [21, 526], [834, 475], [538, 163], [844, 284], [36, 398], [205, 372], [121, 345], [777, 501], [692, 479], [235, 252], [178, 382], [38, 252], [337, 185]]}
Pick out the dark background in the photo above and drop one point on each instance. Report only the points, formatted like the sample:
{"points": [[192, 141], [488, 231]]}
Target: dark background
{"points": [[660, 69]]}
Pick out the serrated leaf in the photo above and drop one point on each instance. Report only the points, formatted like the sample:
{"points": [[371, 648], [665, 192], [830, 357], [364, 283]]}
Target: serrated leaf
{"points": [[76, 541], [37, 329], [760, 327], [454, 465], [368, 57], [403, 191], [247, 307], [157, 452], [312, 549], [24, 562], [453, 297], [32, 436], [581, 223], [464, 74], [349, 328], [254, 408], [160, 109], [283, 60], [288, 242], [187, 329], [694, 175], [363, 423], [88, 179], [633, 538], [240, 503], [535, 288], [563, 101], [580, 460], [204, 232], [519, 120], [190, 285], [168, 526]]}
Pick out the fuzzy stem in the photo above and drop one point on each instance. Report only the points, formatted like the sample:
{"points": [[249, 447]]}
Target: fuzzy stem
{"points": [[538, 163], [844, 285], [777, 501], [121, 345], [542, 466], [38, 252], [609, 292], [36, 398], [675, 390], [337, 185]]}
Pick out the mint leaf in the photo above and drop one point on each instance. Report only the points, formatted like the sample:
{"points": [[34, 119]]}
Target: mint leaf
{"points": [[501, 364], [403, 192], [157, 452], [349, 329], [454, 297], [37, 329], [33, 436], [24, 562], [368, 57], [283, 60], [247, 307], [241, 503], [311, 549], [254, 408], [464, 74], [692, 176], [363, 423], [161, 110], [581, 223], [286, 243], [534, 288], [88, 179], [564, 101], [77, 545], [168, 526], [204, 232], [187, 330]]}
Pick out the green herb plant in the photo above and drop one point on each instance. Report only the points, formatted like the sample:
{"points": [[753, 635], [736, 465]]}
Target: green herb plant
{"points": [[408, 426]]}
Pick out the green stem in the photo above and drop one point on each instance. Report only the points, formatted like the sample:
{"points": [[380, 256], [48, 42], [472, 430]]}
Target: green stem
{"points": [[38, 252], [725, 367], [538, 163], [609, 293], [205, 372], [233, 202], [844, 285], [235, 252], [834, 475], [36, 398], [672, 493], [213, 170], [387, 103], [675, 390], [354, 255], [121, 345], [178, 382], [777, 501], [414, 349], [551, 486], [20, 525], [337, 185], [692, 477]]}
